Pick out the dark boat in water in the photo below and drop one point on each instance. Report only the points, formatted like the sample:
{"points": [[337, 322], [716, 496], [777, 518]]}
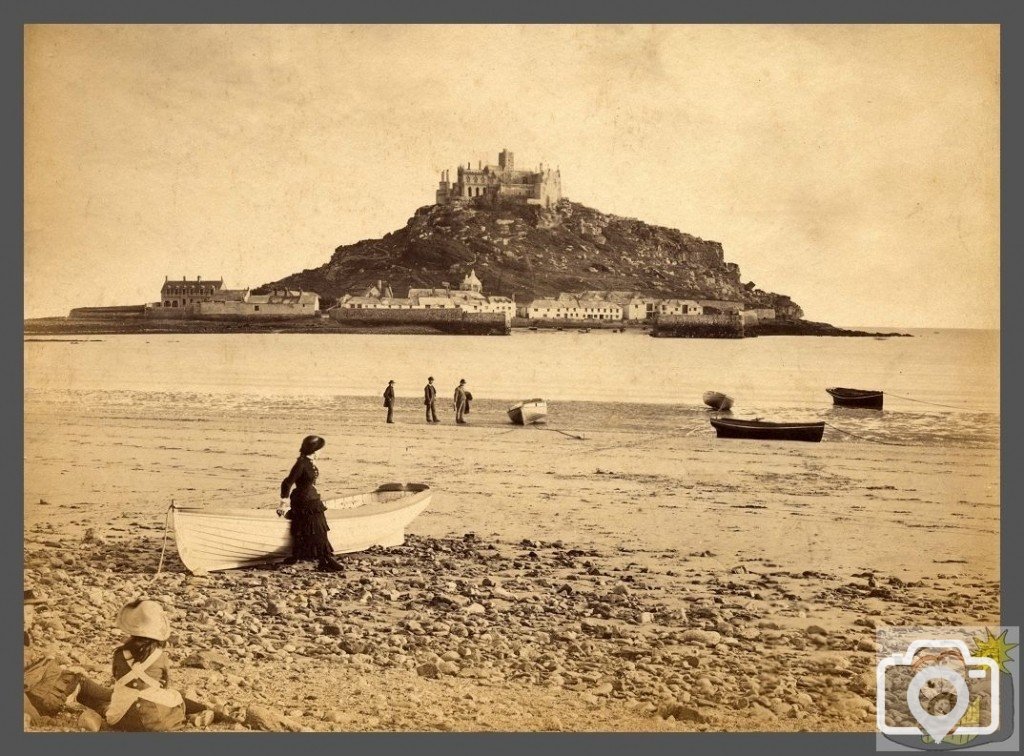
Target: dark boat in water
{"points": [[849, 397], [760, 430]]}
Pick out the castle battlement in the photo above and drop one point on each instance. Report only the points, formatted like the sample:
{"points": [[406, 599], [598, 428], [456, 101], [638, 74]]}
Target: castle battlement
{"points": [[502, 182]]}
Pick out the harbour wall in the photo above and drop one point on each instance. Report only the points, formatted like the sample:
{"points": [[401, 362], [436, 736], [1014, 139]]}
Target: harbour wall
{"points": [[447, 320], [728, 326]]}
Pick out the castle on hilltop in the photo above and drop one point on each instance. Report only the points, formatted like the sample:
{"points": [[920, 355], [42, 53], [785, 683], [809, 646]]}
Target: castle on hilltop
{"points": [[502, 182]]}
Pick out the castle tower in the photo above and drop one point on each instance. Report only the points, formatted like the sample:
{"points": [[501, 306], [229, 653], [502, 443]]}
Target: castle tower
{"points": [[506, 160]]}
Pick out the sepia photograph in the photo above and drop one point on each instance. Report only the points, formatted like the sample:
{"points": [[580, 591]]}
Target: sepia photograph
{"points": [[508, 377]]}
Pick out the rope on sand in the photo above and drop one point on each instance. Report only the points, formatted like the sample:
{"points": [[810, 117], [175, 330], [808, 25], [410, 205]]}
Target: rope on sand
{"points": [[647, 440], [163, 548], [555, 430], [865, 438], [922, 401]]}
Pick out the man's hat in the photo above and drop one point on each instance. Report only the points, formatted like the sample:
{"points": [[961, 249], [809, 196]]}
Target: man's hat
{"points": [[430, 378], [462, 381], [390, 382]]}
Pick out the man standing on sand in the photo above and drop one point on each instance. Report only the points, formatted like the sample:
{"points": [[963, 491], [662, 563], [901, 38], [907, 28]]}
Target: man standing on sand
{"points": [[461, 400], [429, 396], [389, 400]]}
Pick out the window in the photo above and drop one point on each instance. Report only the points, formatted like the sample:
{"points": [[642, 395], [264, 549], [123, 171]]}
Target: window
{"points": [[256, 308]]}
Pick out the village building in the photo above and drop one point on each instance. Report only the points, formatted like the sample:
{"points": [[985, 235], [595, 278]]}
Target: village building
{"points": [[278, 303], [635, 306], [757, 315], [598, 309], [501, 183], [679, 307], [550, 309], [611, 305], [469, 297], [721, 307], [573, 307]]}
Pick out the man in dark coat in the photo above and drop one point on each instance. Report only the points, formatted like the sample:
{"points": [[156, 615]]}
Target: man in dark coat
{"points": [[461, 401], [389, 400], [429, 397]]}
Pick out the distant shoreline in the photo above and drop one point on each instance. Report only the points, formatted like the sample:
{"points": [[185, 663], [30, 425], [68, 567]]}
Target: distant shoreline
{"points": [[112, 326]]}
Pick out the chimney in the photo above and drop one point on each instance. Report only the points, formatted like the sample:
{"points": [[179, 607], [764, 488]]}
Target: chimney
{"points": [[199, 278], [479, 164]]}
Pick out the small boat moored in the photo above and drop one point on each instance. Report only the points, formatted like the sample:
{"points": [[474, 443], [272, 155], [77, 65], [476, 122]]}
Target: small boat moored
{"points": [[760, 430], [716, 400], [849, 397], [529, 412], [224, 538]]}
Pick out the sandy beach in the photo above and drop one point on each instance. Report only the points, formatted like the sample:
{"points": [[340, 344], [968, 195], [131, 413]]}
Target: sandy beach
{"points": [[625, 580]]}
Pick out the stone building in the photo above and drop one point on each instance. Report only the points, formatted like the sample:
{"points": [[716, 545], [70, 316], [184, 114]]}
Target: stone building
{"points": [[186, 292], [209, 298], [502, 182], [280, 303]]}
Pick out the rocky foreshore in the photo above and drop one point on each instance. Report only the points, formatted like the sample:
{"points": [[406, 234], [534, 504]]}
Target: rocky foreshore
{"points": [[105, 326], [810, 328], [466, 634]]}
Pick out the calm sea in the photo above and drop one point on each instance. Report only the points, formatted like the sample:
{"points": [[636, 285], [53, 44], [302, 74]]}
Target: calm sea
{"points": [[585, 376]]}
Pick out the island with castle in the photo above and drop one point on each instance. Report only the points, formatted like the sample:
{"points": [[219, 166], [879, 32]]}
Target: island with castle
{"points": [[546, 262]]}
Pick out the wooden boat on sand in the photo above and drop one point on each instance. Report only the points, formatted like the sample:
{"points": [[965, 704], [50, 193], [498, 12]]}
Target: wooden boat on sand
{"points": [[223, 538], [528, 412], [764, 431], [850, 397], [716, 400]]}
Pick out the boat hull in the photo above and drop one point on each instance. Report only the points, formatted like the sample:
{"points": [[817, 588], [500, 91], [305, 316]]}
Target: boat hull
{"points": [[527, 413], [716, 400], [224, 538], [845, 397], [763, 431]]}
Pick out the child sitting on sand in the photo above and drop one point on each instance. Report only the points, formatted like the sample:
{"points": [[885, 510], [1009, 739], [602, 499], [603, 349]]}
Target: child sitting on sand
{"points": [[142, 700]]}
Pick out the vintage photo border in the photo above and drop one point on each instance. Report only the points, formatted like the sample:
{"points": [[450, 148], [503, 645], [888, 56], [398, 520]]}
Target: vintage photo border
{"points": [[14, 15]]}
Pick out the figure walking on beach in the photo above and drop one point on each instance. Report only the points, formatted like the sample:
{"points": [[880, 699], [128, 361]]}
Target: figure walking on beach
{"points": [[308, 523], [429, 397], [389, 400], [461, 401]]}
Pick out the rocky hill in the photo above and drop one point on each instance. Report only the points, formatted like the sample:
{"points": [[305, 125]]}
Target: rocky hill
{"points": [[530, 252]]}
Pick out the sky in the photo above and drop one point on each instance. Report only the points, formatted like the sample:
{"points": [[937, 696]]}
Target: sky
{"points": [[855, 168]]}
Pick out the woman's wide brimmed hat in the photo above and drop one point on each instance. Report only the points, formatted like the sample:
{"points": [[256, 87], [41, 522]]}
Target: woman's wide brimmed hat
{"points": [[311, 444], [146, 619]]}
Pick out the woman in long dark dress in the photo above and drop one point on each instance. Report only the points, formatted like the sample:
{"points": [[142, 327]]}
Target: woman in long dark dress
{"points": [[308, 524]]}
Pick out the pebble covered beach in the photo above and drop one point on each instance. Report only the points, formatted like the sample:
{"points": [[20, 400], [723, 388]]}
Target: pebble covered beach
{"points": [[618, 581]]}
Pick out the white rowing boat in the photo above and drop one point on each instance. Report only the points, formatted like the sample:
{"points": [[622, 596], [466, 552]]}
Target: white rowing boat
{"points": [[528, 412], [223, 538]]}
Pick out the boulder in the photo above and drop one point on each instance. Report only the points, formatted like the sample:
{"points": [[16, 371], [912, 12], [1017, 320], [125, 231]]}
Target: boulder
{"points": [[268, 720]]}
